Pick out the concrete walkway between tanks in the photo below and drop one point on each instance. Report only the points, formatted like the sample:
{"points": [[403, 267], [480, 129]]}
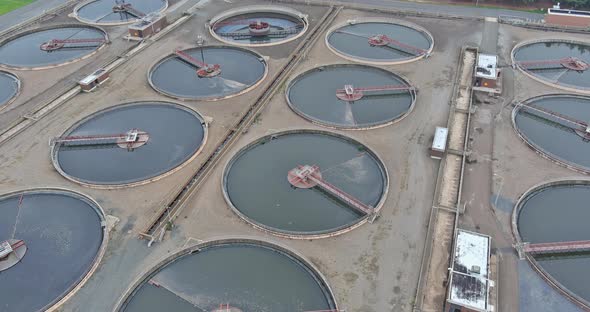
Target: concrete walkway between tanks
{"points": [[430, 295]]}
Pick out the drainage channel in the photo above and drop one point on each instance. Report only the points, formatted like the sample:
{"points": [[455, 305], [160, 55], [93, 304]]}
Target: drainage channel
{"points": [[170, 211]]}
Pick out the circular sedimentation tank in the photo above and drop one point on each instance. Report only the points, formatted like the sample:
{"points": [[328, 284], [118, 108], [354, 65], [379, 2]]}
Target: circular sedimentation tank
{"points": [[51, 46], [555, 126], [258, 183], [9, 88], [58, 237], [560, 206], [378, 41], [563, 64], [208, 73], [113, 12], [350, 96], [258, 25], [235, 274], [129, 144]]}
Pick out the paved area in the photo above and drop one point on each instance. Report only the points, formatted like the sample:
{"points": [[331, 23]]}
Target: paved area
{"points": [[374, 267], [28, 11], [446, 9]]}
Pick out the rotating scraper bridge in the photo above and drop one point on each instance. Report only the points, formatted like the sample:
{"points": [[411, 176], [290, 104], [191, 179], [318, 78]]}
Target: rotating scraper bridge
{"points": [[381, 40], [306, 176], [581, 128], [258, 29], [351, 93]]}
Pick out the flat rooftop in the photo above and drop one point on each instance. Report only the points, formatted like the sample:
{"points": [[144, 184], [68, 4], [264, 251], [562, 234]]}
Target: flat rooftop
{"points": [[469, 285], [486, 66]]}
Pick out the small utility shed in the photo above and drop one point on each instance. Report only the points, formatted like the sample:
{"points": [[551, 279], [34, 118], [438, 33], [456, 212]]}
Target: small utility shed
{"points": [[487, 73], [147, 26], [439, 143], [469, 284], [94, 80]]}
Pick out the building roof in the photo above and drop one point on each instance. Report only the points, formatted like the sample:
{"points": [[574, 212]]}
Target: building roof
{"points": [[486, 66], [90, 78], [469, 284], [440, 139], [146, 21]]}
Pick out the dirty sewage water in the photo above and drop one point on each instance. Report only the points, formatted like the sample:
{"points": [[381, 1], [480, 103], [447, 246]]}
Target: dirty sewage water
{"points": [[101, 11], [256, 182], [237, 28], [353, 40], [25, 50], [564, 210], [246, 276], [240, 69], [314, 94], [550, 50], [63, 235], [175, 132], [553, 136], [9, 86]]}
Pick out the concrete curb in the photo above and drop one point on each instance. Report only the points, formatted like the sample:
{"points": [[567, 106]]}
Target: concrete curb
{"points": [[50, 27], [380, 20], [585, 305], [55, 149], [304, 235], [57, 302], [262, 9], [210, 99], [541, 79], [341, 127], [88, 22], [538, 149], [220, 241]]}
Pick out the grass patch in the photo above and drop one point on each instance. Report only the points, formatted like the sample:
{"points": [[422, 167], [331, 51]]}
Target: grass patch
{"points": [[10, 5]]}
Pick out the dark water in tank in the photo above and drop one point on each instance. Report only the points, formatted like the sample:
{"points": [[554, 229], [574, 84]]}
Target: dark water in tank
{"points": [[257, 182], [557, 50], [314, 94], [554, 214], [175, 134], [239, 24], [8, 87], [352, 40], [552, 138], [102, 10], [25, 51], [240, 69], [250, 277], [63, 235]]}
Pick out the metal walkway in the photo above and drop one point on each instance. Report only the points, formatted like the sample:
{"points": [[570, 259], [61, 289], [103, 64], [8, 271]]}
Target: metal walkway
{"points": [[570, 63], [203, 69], [271, 34], [350, 93], [131, 137], [557, 247], [581, 127], [383, 40], [309, 176], [56, 44]]}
